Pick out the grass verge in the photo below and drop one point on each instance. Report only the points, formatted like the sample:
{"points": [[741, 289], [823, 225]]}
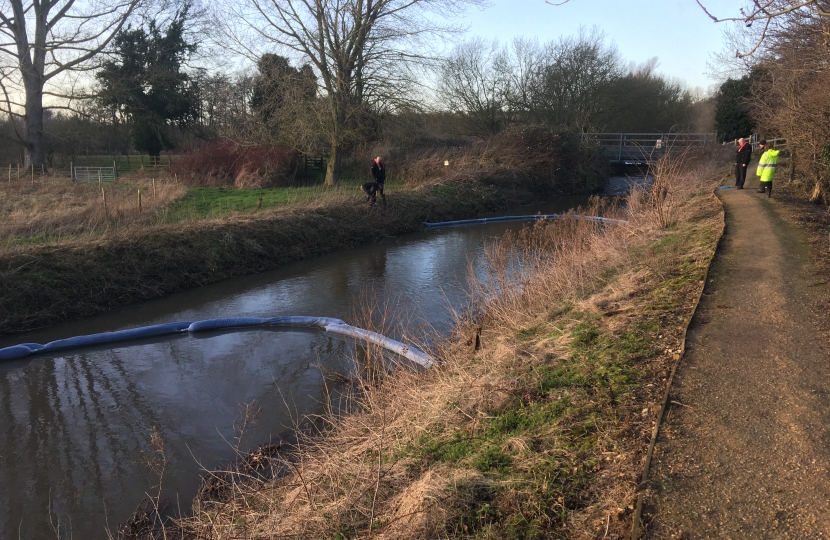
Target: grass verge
{"points": [[538, 433], [217, 202]]}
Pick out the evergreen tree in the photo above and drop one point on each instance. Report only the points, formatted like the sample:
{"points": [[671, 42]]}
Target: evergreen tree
{"points": [[732, 120], [146, 84], [280, 94]]}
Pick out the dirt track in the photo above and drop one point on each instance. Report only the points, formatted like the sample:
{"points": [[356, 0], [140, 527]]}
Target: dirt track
{"points": [[747, 454]]}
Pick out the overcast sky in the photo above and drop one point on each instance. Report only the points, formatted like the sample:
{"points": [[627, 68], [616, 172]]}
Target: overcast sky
{"points": [[677, 32]]}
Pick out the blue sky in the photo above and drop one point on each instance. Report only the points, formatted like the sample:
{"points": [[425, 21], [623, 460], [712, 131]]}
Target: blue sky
{"points": [[677, 32]]}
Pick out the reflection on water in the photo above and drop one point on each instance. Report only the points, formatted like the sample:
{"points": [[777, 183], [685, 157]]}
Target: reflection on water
{"points": [[621, 185], [74, 426]]}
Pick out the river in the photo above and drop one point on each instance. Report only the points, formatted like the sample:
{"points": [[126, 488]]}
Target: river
{"points": [[74, 425]]}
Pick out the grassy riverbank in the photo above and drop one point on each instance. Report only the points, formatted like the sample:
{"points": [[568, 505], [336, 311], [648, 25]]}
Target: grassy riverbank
{"points": [[538, 433], [65, 254]]}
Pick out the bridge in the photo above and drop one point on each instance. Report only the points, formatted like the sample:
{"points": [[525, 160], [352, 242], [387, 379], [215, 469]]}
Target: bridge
{"points": [[644, 148]]}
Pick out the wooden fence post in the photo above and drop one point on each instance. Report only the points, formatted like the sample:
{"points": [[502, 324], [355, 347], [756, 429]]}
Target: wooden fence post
{"points": [[104, 196], [154, 188], [139, 201], [33, 174], [10, 173], [99, 177], [72, 170]]}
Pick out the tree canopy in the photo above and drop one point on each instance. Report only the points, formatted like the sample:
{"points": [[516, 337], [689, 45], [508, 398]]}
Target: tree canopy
{"points": [[732, 119], [281, 98], [575, 83], [146, 83], [363, 53]]}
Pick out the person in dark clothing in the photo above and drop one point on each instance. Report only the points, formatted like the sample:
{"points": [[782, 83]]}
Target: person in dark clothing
{"points": [[742, 157], [379, 175]]}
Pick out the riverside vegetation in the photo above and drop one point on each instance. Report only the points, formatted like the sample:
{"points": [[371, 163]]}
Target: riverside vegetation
{"points": [[66, 254], [537, 420]]}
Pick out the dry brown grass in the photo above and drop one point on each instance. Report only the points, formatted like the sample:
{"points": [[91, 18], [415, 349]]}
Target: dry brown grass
{"points": [[528, 271], [55, 207], [537, 434], [52, 210], [530, 155], [665, 202]]}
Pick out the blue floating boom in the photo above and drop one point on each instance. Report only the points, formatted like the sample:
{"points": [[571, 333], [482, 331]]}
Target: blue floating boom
{"points": [[335, 326], [112, 337], [531, 217]]}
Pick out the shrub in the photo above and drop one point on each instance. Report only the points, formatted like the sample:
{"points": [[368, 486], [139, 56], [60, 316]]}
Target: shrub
{"points": [[228, 163], [558, 163]]}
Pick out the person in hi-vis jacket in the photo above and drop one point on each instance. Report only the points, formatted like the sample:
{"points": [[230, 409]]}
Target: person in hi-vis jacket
{"points": [[766, 167]]}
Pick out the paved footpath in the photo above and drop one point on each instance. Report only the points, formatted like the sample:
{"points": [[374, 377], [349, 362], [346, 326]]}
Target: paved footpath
{"points": [[747, 454]]}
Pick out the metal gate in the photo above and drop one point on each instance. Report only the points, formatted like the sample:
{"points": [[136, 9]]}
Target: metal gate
{"points": [[94, 174]]}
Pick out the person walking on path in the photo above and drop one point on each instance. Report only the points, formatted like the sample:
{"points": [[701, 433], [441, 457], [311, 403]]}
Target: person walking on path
{"points": [[742, 157], [379, 176], [766, 167]]}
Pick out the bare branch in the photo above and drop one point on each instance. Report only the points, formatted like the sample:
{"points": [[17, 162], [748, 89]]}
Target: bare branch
{"points": [[361, 52], [47, 38], [762, 10]]}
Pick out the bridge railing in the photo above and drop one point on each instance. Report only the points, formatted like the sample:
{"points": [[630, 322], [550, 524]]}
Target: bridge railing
{"points": [[779, 143], [640, 148]]}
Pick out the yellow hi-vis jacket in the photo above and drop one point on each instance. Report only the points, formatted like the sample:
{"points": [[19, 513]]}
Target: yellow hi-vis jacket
{"points": [[767, 164]]}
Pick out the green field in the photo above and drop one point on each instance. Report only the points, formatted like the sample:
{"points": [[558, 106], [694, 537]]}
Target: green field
{"points": [[210, 202]]}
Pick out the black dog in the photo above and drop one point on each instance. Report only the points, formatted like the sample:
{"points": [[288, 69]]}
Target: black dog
{"points": [[371, 190]]}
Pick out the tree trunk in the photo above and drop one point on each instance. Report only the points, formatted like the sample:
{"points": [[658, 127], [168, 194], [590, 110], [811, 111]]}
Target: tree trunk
{"points": [[35, 143], [32, 73], [333, 165]]}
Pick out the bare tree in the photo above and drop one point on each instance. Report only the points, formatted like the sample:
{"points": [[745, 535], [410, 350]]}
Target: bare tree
{"points": [[42, 41], [574, 79], [361, 50], [574, 83], [524, 61], [644, 101], [784, 44], [475, 85], [225, 107], [789, 94]]}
